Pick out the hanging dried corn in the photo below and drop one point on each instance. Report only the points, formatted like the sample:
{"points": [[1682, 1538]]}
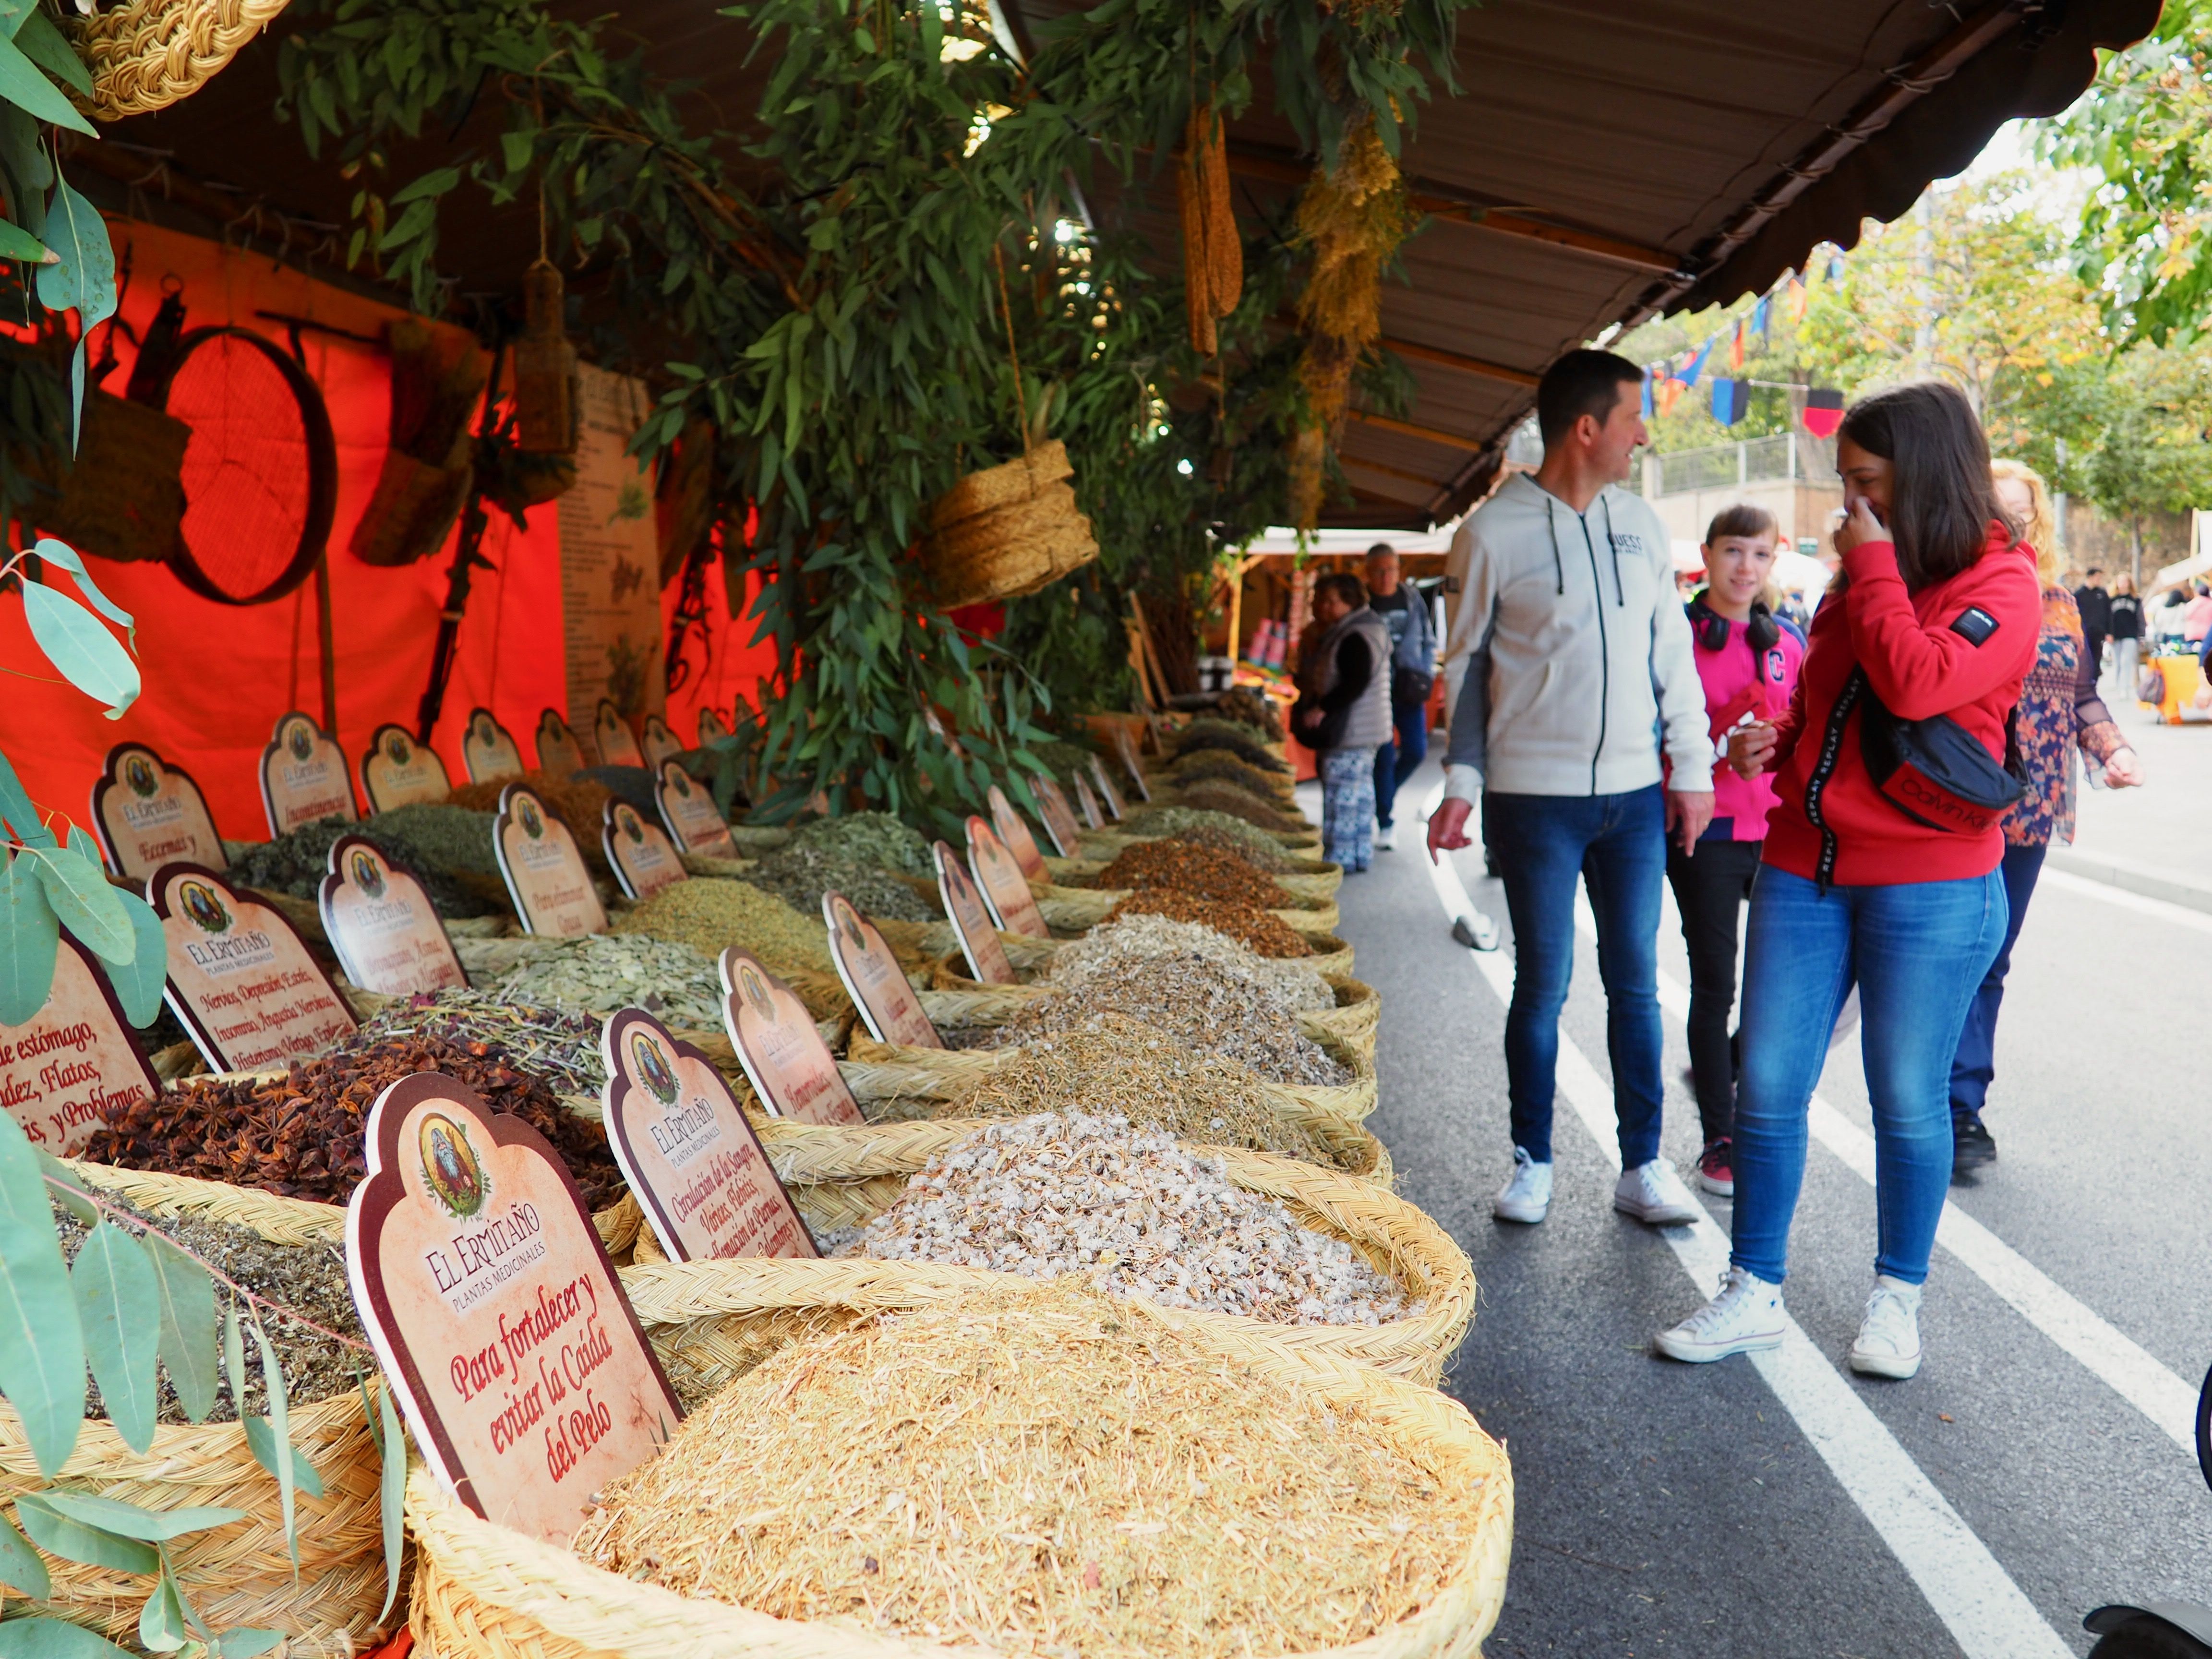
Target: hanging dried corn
{"points": [[1212, 251]]}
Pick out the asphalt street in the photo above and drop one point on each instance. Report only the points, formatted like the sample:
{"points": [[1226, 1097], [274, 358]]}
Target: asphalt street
{"points": [[2037, 1466]]}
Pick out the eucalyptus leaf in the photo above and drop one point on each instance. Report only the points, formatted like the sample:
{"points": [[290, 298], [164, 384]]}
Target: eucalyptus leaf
{"points": [[233, 1359], [84, 277], [89, 906], [118, 1307], [73, 1540], [280, 1463], [30, 938], [62, 554], [138, 981], [76, 643], [23, 86], [392, 1492], [162, 1620], [20, 1569], [41, 1347], [245, 1642], [134, 1520], [22, 813], [261, 1441], [43, 44], [18, 245], [30, 173], [189, 1335], [56, 1638], [64, 1187]]}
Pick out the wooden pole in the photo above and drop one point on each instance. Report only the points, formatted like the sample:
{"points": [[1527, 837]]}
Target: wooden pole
{"points": [[324, 632]]}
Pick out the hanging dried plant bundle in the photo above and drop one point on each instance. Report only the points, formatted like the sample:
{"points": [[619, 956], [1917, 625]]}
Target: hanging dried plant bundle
{"points": [[1212, 251], [544, 368], [1352, 216]]}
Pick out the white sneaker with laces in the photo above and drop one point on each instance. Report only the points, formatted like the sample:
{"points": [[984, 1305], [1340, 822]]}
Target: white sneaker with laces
{"points": [[1654, 1194], [1889, 1336], [1386, 837], [1746, 1317], [1528, 1196]]}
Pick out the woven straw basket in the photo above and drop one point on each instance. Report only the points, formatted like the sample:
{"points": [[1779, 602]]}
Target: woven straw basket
{"points": [[239, 1574], [1006, 531], [146, 54], [487, 1593]]}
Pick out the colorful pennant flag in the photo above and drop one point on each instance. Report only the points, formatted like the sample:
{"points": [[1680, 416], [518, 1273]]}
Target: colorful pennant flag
{"points": [[1696, 366], [1730, 399], [1759, 315], [1647, 394], [1670, 393], [1796, 299], [1824, 411], [1735, 349]]}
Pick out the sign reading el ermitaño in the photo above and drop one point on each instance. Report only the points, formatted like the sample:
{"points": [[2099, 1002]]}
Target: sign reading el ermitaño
{"points": [[150, 813], [489, 749], [1109, 796], [612, 738], [303, 776], [1087, 804], [1126, 746], [1059, 820], [712, 728], [873, 978], [694, 1163], [1014, 832], [558, 750], [545, 868], [659, 743], [521, 1366], [382, 926], [972, 921], [642, 857], [791, 1067], [398, 771], [690, 813], [240, 978], [1006, 889], [73, 1061]]}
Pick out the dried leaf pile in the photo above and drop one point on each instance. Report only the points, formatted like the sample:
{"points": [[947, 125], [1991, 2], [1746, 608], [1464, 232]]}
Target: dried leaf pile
{"points": [[559, 1046], [1202, 872], [1281, 987], [1262, 931], [1179, 823], [600, 973], [873, 838], [800, 874], [1201, 764], [1215, 795], [710, 916], [295, 863], [1039, 1474], [299, 1135], [1065, 1193], [578, 800], [1231, 737]]}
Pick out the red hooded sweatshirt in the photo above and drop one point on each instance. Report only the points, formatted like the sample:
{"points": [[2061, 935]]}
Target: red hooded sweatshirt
{"points": [[1919, 665]]}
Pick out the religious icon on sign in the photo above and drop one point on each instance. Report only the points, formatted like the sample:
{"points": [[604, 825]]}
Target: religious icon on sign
{"points": [[451, 1169]]}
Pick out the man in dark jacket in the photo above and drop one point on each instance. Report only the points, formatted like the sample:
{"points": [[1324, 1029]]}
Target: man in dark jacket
{"points": [[2095, 605], [1412, 671]]}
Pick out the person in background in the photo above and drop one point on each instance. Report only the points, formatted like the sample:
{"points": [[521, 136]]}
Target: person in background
{"points": [[2127, 623], [1748, 662], [2196, 616], [1343, 712], [1413, 672], [1579, 660], [2058, 710], [2090, 599], [1937, 618]]}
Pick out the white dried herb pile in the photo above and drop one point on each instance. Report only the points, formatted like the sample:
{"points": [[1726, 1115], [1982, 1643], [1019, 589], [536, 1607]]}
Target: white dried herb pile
{"points": [[1039, 1473], [1063, 1193], [1284, 986], [600, 973]]}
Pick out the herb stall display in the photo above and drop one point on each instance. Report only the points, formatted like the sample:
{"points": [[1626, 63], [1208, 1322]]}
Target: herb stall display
{"points": [[800, 874], [601, 972], [447, 848], [710, 916], [1212, 733], [577, 800]]}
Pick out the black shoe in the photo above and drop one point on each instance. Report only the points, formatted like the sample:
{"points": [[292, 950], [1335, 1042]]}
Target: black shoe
{"points": [[1972, 1144]]}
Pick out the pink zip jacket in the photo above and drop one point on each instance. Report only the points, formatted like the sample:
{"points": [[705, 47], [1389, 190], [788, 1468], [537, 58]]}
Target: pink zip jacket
{"points": [[1738, 689]]}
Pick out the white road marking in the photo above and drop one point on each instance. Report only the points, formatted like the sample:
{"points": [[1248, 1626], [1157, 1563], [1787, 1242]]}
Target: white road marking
{"points": [[2179, 915], [1987, 1614]]}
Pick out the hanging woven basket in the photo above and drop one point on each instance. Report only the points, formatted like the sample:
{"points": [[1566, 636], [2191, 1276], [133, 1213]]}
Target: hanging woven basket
{"points": [[146, 54]]}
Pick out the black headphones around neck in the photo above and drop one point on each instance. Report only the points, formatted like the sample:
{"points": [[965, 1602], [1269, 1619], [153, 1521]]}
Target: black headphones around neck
{"points": [[1761, 630]]}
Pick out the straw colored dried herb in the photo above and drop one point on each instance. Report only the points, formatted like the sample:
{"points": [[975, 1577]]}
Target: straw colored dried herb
{"points": [[873, 838], [800, 874], [1210, 829], [295, 863], [1286, 987], [1210, 732], [1202, 872], [299, 1135], [600, 973], [577, 801], [560, 1046], [711, 915], [1216, 796], [1037, 1472], [1262, 931]]}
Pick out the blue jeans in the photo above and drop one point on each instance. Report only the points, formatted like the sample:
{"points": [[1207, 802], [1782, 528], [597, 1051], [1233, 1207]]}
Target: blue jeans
{"points": [[1397, 761], [1976, 1062], [1617, 844], [1916, 951]]}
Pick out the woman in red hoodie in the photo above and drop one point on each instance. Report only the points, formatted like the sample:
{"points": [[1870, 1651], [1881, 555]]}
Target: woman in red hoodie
{"points": [[1878, 874]]}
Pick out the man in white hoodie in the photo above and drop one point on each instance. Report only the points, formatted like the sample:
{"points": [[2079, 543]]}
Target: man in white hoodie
{"points": [[1579, 665]]}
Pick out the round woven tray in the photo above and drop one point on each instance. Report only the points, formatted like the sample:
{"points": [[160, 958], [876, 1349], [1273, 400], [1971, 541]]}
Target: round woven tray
{"points": [[239, 1574], [1000, 486], [486, 1592]]}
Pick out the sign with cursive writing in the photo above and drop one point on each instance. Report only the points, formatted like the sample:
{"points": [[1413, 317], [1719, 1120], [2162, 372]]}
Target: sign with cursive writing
{"points": [[1006, 889], [1059, 818], [303, 776], [873, 978], [489, 749], [791, 1067], [559, 751], [63, 1069], [643, 858], [1087, 804], [150, 813], [699, 1171], [545, 868], [612, 738], [240, 978], [1013, 834], [382, 924], [973, 924], [398, 771], [689, 811], [1109, 796], [659, 743], [525, 1378]]}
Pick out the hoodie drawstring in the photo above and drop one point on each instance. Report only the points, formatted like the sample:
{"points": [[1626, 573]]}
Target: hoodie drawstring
{"points": [[1559, 570], [1619, 598]]}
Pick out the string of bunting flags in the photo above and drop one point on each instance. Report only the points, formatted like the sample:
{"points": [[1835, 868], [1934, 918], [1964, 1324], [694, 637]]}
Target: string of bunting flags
{"points": [[1821, 409]]}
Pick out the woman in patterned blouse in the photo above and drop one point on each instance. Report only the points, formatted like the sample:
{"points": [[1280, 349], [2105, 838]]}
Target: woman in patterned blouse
{"points": [[2058, 709]]}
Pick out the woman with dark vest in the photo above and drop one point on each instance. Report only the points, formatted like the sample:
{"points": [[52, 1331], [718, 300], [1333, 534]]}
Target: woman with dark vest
{"points": [[1880, 867]]}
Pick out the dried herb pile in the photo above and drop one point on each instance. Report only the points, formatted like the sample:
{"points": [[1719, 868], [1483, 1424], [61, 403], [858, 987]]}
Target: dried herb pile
{"points": [[299, 1135], [1262, 931], [1220, 829], [1110, 1492], [872, 838], [577, 802], [1230, 737], [1204, 764], [1065, 760], [601, 972], [800, 874], [1216, 795], [1201, 872], [560, 1045], [296, 862], [710, 916], [1284, 986]]}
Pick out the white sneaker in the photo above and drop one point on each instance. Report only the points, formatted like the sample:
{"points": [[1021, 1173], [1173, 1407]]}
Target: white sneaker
{"points": [[1889, 1336], [1528, 1196], [1386, 837], [1746, 1317], [1654, 1194]]}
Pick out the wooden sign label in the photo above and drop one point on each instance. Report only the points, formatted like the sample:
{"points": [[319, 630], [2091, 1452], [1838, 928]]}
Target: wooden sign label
{"points": [[791, 1069], [1013, 835], [643, 858], [1108, 794], [240, 978], [698, 1171], [303, 776], [1058, 818], [660, 742], [397, 771], [688, 811], [1006, 889], [712, 728], [545, 869], [485, 1291], [63, 1069], [1126, 746], [1087, 804], [558, 750], [382, 924], [149, 814], [489, 749], [873, 978], [972, 923], [612, 738]]}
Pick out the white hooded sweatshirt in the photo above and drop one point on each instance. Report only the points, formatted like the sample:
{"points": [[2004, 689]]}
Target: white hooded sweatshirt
{"points": [[1576, 651]]}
